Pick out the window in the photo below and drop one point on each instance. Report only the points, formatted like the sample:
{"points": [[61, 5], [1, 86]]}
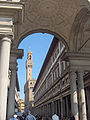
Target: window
{"points": [[28, 65], [58, 51], [31, 83], [58, 71], [53, 58], [62, 68], [30, 57], [55, 55], [61, 45], [55, 74]]}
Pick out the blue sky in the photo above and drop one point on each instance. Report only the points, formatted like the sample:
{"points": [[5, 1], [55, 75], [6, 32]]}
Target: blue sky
{"points": [[39, 44]]}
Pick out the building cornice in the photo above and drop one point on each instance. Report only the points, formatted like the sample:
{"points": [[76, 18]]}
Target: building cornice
{"points": [[12, 10]]}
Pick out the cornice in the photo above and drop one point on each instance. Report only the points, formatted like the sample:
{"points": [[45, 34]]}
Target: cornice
{"points": [[12, 10]]}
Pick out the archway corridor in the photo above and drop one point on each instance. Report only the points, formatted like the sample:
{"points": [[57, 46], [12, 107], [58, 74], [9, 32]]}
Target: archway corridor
{"points": [[39, 43], [63, 83], [50, 93]]}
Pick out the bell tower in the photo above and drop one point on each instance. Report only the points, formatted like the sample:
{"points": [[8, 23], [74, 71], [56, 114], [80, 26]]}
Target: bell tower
{"points": [[29, 85], [29, 65]]}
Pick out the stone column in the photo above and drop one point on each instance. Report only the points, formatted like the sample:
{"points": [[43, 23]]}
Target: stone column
{"points": [[67, 105], [74, 101], [64, 109], [4, 67], [47, 110], [11, 95], [61, 107], [88, 101], [82, 102], [52, 107]]}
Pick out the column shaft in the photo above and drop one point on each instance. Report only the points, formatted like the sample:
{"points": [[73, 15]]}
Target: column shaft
{"points": [[67, 105], [88, 101], [74, 101], [4, 67], [61, 108], [52, 107], [82, 102], [11, 97]]}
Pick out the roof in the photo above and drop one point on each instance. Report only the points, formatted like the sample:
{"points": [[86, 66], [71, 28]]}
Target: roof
{"points": [[49, 54]]}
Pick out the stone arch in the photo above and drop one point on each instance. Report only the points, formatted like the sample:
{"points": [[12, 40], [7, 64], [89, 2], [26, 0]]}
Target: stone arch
{"points": [[43, 31], [77, 38]]}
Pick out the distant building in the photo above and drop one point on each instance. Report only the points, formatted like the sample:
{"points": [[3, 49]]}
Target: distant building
{"points": [[56, 86], [21, 105], [29, 85]]}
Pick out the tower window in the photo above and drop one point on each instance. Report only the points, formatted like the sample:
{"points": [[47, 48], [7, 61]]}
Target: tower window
{"points": [[28, 65], [31, 83], [30, 57]]}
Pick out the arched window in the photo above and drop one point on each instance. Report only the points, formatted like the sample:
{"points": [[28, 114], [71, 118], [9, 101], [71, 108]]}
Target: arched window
{"points": [[30, 57]]}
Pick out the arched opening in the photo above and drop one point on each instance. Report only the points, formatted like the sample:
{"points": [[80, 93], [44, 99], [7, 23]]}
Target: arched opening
{"points": [[39, 44], [56, 45], [56, 35]]}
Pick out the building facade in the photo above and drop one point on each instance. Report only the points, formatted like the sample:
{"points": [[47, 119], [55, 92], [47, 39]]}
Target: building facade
{"points": [[29, 85], [53, 90], [21, 105]]}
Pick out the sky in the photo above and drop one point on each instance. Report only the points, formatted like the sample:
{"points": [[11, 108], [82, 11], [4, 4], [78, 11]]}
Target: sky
{"points": [[39, 44]]}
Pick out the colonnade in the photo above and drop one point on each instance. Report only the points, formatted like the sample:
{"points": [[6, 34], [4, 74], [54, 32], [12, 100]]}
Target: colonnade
{"points": [[76, 83], [5, 60], [72, 104], [78, 101], [59, 107]]}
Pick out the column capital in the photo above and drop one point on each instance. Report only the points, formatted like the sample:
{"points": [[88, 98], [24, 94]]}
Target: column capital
{"points": [[73, 73], [72, 70], [80, 72], [7, 38]]}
